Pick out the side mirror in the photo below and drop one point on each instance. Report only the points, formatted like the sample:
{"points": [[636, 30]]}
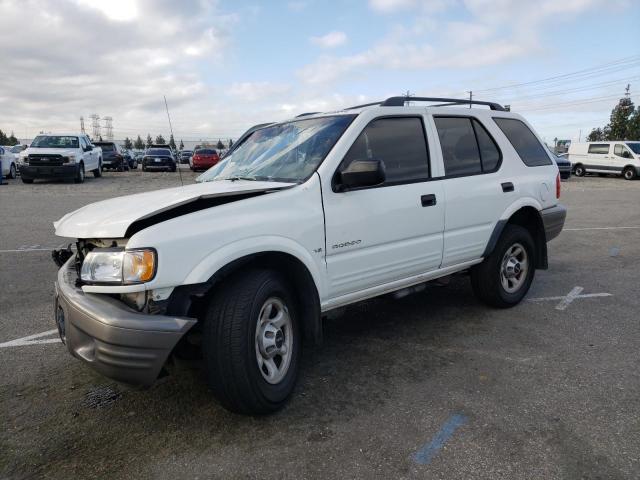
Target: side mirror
{"points": [[362, 173], [626, 154], [88, 148]]}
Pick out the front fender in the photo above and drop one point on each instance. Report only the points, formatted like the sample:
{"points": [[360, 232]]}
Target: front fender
{"points": [[253, 245]]}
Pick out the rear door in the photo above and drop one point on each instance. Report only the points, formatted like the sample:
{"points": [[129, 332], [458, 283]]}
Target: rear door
{"points": [[389, 232], [476, 194]]}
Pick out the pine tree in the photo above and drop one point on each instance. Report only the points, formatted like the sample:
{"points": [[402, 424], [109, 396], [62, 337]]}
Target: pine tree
{"points": [[3, 138], [181, 145], [172, 142], [230, 143], [160, 139], [12, 140], [219, 145], [149, 141], [128, 144], [138, 144], [634, 125], [596, 135]]}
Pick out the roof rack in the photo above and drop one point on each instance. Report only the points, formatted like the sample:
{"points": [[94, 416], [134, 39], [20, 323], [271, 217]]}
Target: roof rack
{"points": [[306, 114], [400, 101], [448, 102]]}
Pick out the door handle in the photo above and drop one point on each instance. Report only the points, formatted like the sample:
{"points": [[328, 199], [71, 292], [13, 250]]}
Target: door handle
{"points": [[428, 200], [507, 187]]}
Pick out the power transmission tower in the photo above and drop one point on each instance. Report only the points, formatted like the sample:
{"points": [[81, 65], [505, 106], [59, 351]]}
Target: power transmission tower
{"points": [[108, 126], [82, 125], [95, 125]]}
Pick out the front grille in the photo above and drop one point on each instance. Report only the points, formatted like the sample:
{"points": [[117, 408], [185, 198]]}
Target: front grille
{"points": [[53, 160]]}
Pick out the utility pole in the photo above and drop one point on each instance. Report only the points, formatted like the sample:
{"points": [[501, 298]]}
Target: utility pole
{"points": [[470, 98], [407, 95], [82, 125], [627, 90]]}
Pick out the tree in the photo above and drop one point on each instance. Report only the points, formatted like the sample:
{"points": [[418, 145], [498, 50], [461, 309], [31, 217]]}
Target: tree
{"points": [[219, 145], [181, 145], [230, 143], [128, 144], [149, 141], [596, 135], [172, 142], [100, 138], [634, 125], [160, 139], [12, 140], [138, 144], [3, 138], [619, 121]]}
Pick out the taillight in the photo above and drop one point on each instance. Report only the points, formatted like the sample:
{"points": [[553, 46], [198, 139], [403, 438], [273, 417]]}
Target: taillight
{"points": [[558, 186]]}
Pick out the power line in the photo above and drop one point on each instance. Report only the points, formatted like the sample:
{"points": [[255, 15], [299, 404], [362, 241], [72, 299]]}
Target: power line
{"points": [[571, 104]]}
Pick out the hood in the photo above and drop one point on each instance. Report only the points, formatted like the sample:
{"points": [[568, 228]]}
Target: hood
{"points": [[122, 216]]}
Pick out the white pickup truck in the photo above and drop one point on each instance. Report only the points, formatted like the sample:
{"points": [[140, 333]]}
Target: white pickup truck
{"points": [[302, 217], [60, 157]]}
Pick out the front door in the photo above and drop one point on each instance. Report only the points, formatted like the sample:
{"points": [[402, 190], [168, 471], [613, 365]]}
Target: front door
{"points": [[391, 231]]}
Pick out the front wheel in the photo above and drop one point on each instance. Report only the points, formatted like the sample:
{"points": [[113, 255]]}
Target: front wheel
{"points": [[629, 173], [12, 171], [252, 342], [98, 171], [504, 277], [79, 174]]}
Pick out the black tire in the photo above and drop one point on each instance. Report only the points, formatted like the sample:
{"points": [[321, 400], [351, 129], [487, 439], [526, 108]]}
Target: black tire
{"points": [[230, 334], [486, 278], [98, 171], [629, 173], [144, 167], [135, 165], [12, 171], [172, 169], [79, 174], [580, 170], [27, 180]]}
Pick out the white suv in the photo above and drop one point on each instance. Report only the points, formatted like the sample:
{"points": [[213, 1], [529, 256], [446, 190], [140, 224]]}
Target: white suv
{"points": [[302, 217]]}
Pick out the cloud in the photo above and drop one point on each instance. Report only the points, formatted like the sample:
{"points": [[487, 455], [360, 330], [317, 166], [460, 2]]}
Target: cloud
{"points": [[330, 40], [297, 6], [253, 91]]}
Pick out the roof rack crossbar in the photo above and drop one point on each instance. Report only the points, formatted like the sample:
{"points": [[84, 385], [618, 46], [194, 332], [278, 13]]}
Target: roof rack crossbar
{"points": [[306, 114], [400, 101], [363, 105]]}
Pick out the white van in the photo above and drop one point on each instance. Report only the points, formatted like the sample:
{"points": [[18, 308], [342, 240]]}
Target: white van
{"points": [[606, 157]]}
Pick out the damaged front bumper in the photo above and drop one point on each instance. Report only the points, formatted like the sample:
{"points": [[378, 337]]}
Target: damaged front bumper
{"points": [[117, 341]]}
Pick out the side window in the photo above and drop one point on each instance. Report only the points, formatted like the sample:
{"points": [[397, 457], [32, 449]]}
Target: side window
{"points": [[489, 151], [459, 147], [524, 142], [399, 143], [618, 150], [83, 143], [600, 148]]}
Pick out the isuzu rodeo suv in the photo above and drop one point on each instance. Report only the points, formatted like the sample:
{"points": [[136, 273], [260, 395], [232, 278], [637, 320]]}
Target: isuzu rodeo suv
{"points": [[305, 216]]}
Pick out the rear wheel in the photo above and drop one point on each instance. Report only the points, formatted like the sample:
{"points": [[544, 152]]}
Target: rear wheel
{"points": [[504, 277], [144, 167], [252, 343], [580, 171], [98, 171], [629, 173], [12, 171], [79, 174]]}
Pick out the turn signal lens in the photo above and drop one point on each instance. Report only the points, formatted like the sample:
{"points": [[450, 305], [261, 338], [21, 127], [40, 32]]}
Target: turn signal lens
{"points": [[139, 266], [558, 186]]}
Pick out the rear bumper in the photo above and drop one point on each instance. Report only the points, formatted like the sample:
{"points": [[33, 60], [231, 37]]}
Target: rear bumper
{"points": [[118, 342], [58, 171], [553, 219], [112, 163]]}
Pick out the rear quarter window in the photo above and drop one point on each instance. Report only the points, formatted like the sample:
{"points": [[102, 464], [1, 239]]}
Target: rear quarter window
{"points": [[601, 148], [524, 142]]}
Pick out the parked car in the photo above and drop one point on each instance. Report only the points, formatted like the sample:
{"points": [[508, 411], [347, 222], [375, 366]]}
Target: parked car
{"points": [[203, 159], [112, 157], [130, 158], [61, 157], [305, 216], [621, 158], [159, 159], [185, 156], [564, 165], [8, 162]]}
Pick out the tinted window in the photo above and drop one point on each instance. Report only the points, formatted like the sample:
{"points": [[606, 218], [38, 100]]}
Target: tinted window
{"points": [[205, 151], [524, 142], [602, 148], [635, 146], [459, 147], [489, 152], [106, 147], [399, 143], [158, 151]]}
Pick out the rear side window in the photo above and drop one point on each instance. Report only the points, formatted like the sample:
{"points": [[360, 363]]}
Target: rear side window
{"points": [[601, 148], [524, 142], [399, 143], [467, 148]]}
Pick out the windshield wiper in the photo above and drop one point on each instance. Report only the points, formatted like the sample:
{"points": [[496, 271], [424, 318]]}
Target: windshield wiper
{"points": [[240, 177]]}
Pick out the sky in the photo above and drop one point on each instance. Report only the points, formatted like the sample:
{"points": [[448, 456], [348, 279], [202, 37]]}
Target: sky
{"points": [[227, 65]]}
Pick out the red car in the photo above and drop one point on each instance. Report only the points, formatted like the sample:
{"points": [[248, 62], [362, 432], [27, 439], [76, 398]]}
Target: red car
{"points": [[203, 158]]}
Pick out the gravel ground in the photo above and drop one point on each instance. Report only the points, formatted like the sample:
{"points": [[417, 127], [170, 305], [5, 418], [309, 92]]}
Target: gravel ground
{"points": [[538, 392]]}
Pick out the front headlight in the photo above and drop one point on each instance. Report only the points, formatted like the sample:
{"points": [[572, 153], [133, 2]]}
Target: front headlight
{"points": [[106, 265], [70, 159]]}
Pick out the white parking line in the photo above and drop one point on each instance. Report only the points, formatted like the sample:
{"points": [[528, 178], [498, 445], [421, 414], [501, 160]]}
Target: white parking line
{"points": [[598, 228], [29, 340], [566, 300]]}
